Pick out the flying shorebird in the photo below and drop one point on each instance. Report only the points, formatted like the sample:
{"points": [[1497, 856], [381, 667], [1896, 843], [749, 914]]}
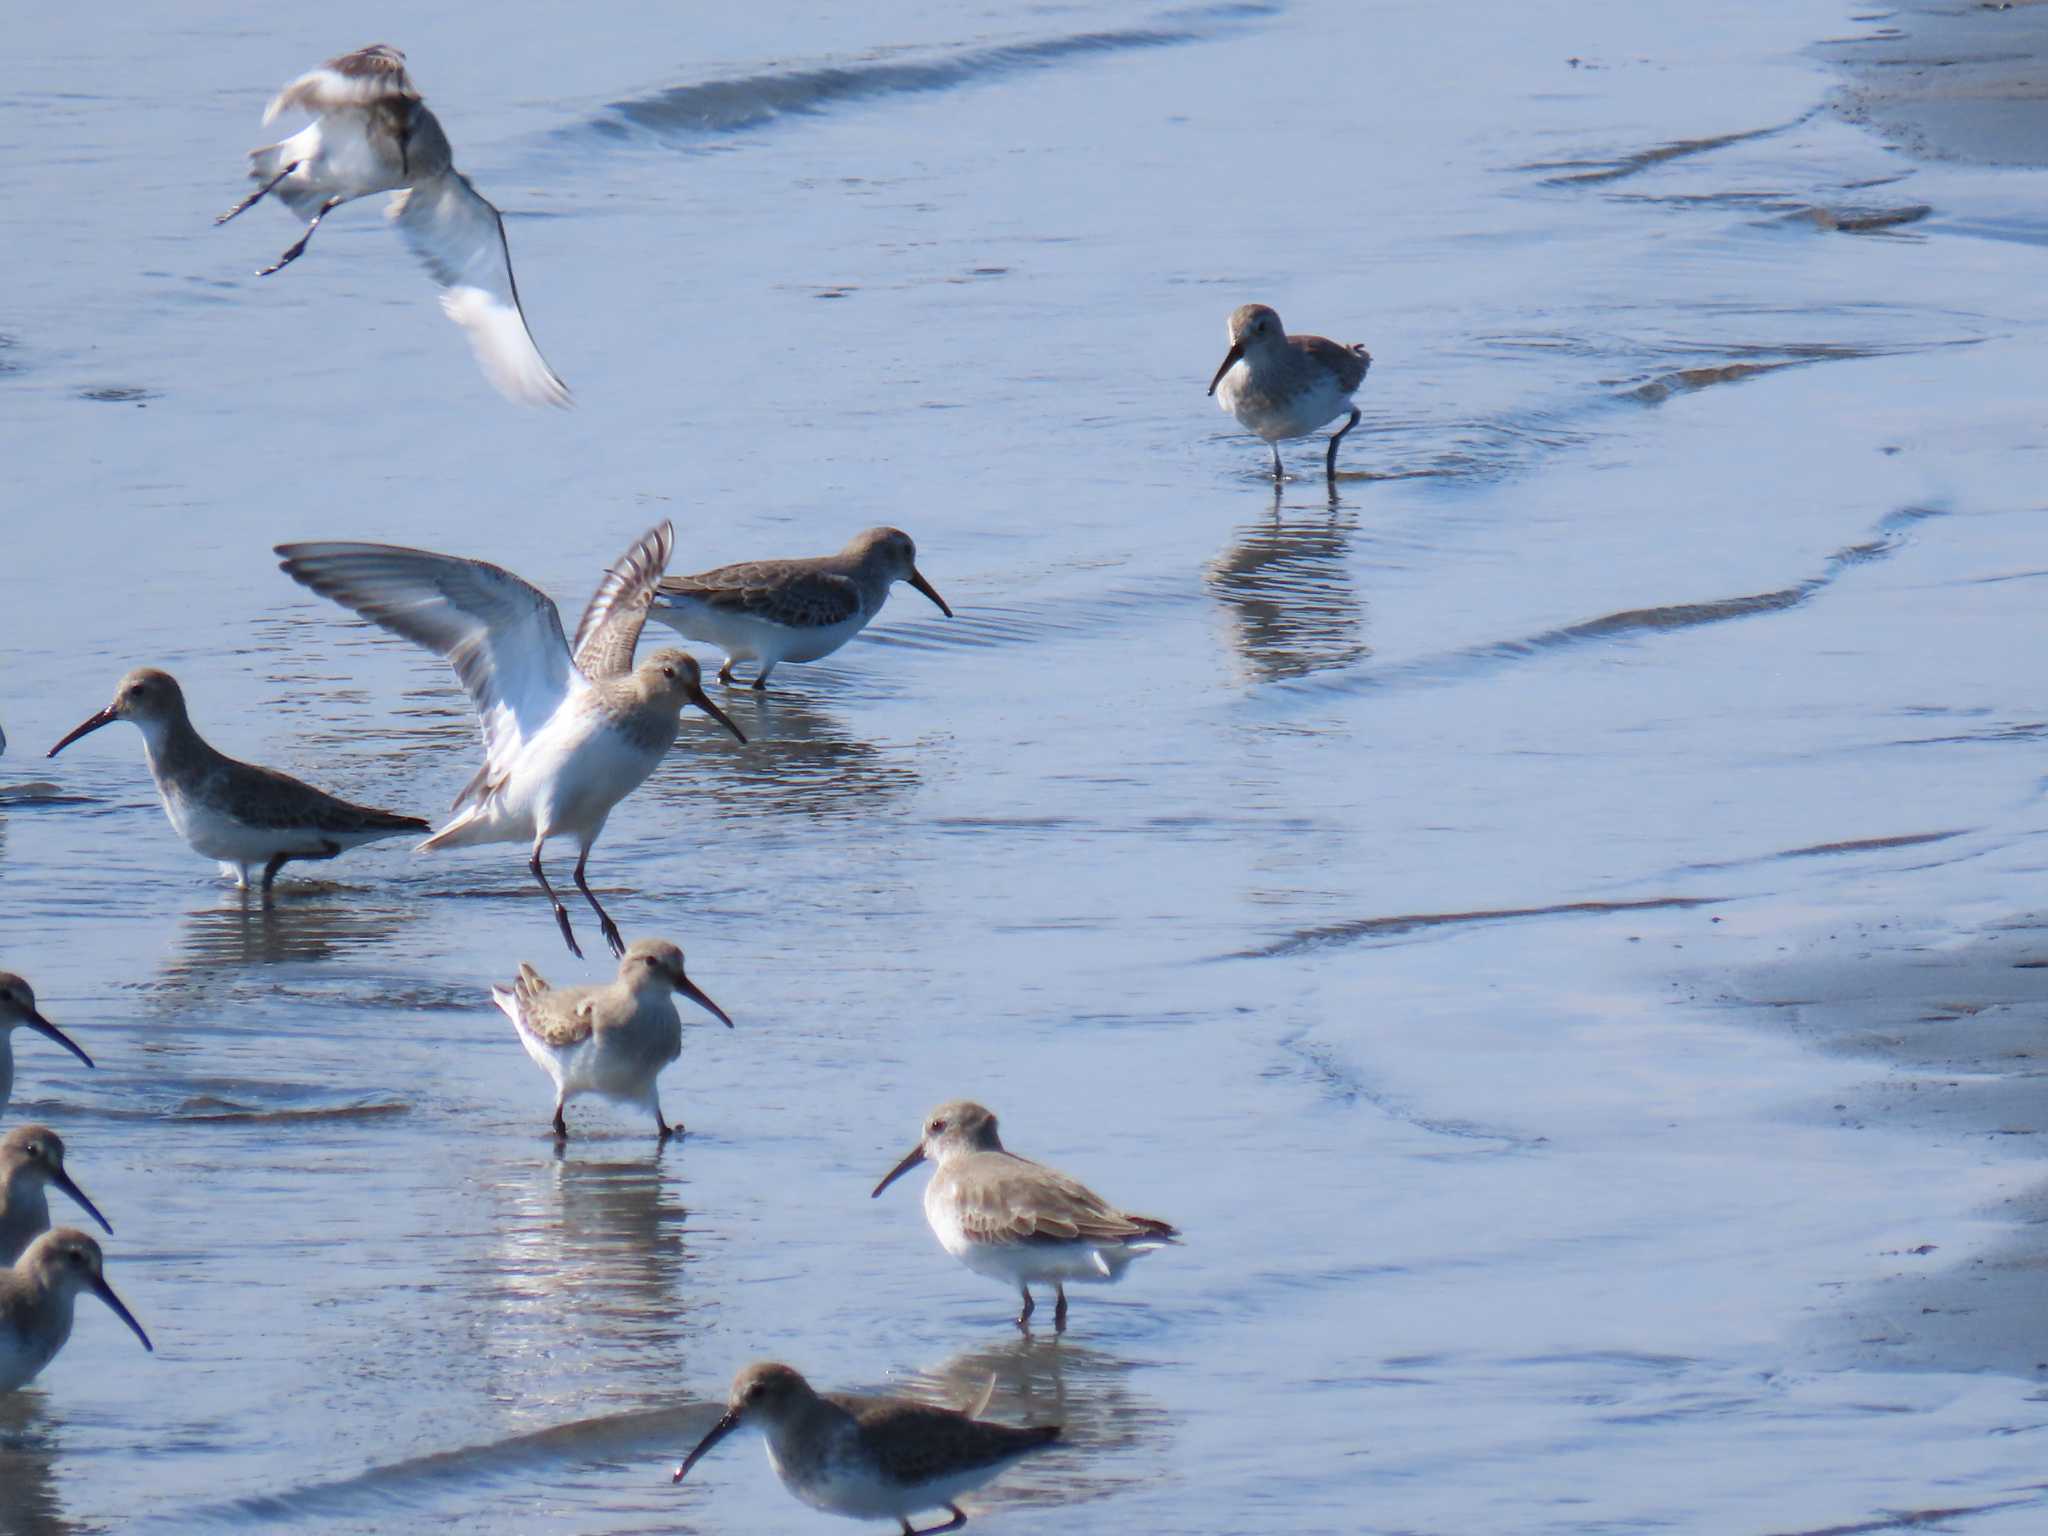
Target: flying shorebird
{"points": [[238, 813], [1017, 1221], [17, 1007], [32, 1159], [37, 1296], [611, 1040], [568, 732], [868, 1458], [1280, 386], [374, 134], [772, 611]]}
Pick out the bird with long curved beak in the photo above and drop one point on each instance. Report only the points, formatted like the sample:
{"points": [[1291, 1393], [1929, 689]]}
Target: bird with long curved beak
{"points": [[610, 1040], [569, 730], [1017, 1221], [1280, 386], [38, 1295], [18, 1008], [244, 815], [31, 1160], [868, 1457], [772, 611]]}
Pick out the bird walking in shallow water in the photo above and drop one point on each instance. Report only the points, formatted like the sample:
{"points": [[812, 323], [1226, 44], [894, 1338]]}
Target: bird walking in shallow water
{"points": [[1280, 386], [239, 813], [611, 1040], [18, 1007], [1017, 1221], [569, 732], [31, 1160], [373, 133], [868, 1458], [37, 1297], [772, 611]]}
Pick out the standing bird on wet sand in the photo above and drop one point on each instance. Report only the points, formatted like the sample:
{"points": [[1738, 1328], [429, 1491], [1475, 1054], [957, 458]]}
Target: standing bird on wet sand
{"points": [[1280, 386], [613, 1039], [37, 1296], [18, 1007], [1017, 1221], [375, 134], [235, 812], [772, 611], [31, 1160], [568, 732], [868, 1458]]}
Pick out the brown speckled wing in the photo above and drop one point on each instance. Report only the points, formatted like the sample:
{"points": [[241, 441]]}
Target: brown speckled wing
{"points": [[773, 590], [559, 1018], [1008, 1199], [263, 797], [611, 625], [914, 1443], [1349, 364], [352, 81]]}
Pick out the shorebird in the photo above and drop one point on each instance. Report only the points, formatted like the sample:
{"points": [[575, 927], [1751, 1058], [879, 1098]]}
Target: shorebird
{"points": [[374, 134], [1280, 386], [239, 813], [771, 611], [613, 1039], [36, 1300], [32, 1159], [18, 1007], [568, 733], [1017, 1221], [869, 1458]]}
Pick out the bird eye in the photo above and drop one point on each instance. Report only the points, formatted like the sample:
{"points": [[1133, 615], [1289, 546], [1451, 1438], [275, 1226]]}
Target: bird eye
{"points": [[938, 1127]]}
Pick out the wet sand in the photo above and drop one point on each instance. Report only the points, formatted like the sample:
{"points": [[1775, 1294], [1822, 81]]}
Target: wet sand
{"points": [[1951, 79]]}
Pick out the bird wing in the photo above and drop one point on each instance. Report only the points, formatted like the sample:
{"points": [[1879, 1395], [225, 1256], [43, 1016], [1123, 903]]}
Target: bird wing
{"points": [[1011, 1199], [1349, 364], [610, 627], [767, 590], [501, 634], [354, 80], [559, 1018], [461, 239], [913, 1442]]}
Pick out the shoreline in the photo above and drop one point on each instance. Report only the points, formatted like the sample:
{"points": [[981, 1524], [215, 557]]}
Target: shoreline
{"points": [[1950, 80]]}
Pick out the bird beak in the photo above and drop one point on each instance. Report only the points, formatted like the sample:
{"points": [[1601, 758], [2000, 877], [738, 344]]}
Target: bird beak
{"points": [[1236, 351], [918, 581], [727, 1423], [908, 1163], [702, 700], [689, 989], [104, 717], [63, 1181], [43, 1026], [105, 1292]]}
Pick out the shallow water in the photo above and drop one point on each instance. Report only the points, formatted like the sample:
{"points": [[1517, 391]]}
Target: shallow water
{"points": [[1344, 882]]}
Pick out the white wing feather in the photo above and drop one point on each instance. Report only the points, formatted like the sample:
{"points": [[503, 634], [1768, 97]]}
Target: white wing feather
{"points": [[501, 634], [461, 238]]}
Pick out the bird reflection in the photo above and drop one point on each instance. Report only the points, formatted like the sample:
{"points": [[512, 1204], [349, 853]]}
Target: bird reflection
{"points": [[1291, 594], [1047, 1379], [801, 761], [601, 1231], [28, 1485], [294, 928]]}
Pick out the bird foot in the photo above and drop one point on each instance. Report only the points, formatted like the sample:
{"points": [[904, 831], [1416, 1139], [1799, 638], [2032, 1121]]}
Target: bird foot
{"points": [[568, 933], [612, 937]]}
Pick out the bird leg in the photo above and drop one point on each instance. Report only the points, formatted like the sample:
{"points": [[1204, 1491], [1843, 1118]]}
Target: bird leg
{"points": [[725, 672], [1279, 473], [1330, 458], [561, 912], [1030, 1306], [561, 1125], [761, 678], [328, 850], [959, 1519], [1059, 1313], [298, 246], [257, 196], [605, 924]]}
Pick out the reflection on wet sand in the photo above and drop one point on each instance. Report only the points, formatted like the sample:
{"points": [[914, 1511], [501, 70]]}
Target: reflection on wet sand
{"points": [[801, 761], [600, 1229], [1289, 588], [29, 1505], [1046, 1379], [296, 927]]}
